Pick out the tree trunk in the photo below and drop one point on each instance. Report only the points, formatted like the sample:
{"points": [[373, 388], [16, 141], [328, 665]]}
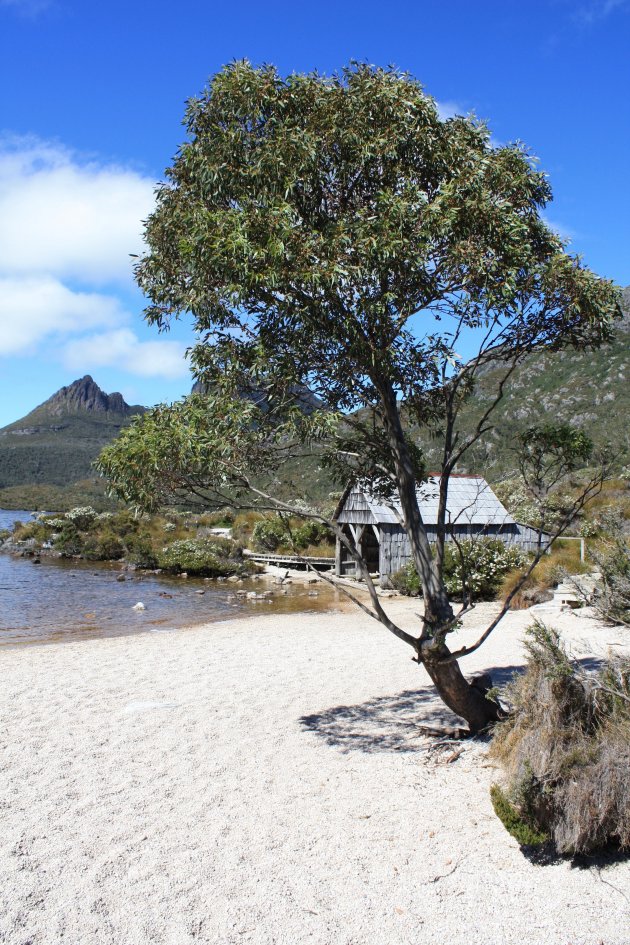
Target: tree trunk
{"points": [[467, 699]]}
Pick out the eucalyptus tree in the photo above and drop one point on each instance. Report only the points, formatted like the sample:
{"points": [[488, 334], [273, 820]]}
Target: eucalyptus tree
{"points": [[337, 243]]}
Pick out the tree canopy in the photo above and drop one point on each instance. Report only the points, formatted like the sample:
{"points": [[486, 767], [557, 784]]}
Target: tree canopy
{"points": [[336, 244]]}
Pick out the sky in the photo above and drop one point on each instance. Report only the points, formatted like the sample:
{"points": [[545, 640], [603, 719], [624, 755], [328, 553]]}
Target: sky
{"points": [[91, 101]]}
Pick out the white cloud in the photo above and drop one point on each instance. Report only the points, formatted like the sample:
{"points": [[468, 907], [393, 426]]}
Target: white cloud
{"points": [[66, 217], [34, 309], [448, 110], [564, 232], [124, 350]]}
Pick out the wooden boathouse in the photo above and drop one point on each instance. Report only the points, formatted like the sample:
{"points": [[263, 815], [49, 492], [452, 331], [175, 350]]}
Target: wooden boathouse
{"points": [[374, 525]]}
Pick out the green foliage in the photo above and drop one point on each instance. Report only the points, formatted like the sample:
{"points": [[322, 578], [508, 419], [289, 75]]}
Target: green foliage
{"points": [[140, 550], [473, 567], [202, 557], [566, 747], [269, 534], [407, 581], [311, 533], [612, 595], [69, 541], [514, 822], [476, 568], [106, 546]]}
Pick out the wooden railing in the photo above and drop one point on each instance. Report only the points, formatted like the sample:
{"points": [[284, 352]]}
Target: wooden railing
{"points": [[290, 561]]}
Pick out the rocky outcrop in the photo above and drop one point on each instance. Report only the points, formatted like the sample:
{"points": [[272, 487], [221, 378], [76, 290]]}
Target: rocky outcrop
{"points": [[84, 395]]}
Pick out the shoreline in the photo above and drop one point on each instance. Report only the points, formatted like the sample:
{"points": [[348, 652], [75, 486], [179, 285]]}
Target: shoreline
{"points": [[263, 781]]}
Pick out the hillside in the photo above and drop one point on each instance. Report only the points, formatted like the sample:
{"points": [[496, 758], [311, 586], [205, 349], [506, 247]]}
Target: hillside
{"points": [[590, 389], [55, 444]]}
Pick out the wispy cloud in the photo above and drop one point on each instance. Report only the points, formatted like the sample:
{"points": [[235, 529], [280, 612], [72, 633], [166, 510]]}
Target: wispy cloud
{"points": [[592, 12], [448, 110], [564, 232], [29, 8]]}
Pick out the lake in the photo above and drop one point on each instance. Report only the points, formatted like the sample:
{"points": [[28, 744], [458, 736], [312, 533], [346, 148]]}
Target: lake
{"points": [[68, 599]]}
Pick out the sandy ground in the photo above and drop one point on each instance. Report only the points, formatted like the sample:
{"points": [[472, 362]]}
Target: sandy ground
{"points": [[263, 781]]}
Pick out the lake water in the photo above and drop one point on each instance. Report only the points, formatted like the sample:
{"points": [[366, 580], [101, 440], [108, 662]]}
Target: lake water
{"points": [[67, 599]]}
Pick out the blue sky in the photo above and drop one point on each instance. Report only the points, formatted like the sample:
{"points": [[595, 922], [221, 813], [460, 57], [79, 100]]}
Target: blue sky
{"points": [[90, 115]]}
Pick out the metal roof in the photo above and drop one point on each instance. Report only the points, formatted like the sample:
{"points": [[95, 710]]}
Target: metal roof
{"points": [[471, 501]]}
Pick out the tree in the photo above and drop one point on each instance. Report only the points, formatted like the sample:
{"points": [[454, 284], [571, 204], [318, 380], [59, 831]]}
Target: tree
{"points": [[336, 242]]}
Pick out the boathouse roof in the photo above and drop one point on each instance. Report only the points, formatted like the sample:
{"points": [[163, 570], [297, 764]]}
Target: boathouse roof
{"points": [[471, 501]]}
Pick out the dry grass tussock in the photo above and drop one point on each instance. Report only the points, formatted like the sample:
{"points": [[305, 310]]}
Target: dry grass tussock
{"points": [[566, 751], [549, 572]]}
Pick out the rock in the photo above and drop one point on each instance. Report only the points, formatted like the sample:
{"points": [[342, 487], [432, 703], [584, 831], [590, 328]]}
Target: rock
{"points": [[121, 577], [234, 579], [200, 592], [313, 593], [184, 575], [37, 560], [251, 595], [139, 606]]}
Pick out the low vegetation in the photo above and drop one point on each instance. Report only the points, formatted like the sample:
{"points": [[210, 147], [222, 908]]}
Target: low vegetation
{"points": [[471, 568], [565, 749], [174, 542]]}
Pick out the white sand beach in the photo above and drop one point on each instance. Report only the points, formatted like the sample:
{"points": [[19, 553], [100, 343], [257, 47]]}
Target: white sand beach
{"points": [[263, 781]]}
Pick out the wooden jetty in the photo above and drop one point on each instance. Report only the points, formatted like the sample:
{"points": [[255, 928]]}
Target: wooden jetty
{"points": [[290, 561]]}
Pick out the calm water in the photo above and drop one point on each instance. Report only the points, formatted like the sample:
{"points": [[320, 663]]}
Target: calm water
{"points": [[68, 600]]}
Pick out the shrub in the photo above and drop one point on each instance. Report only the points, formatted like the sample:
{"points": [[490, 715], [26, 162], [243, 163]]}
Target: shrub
{"points": [[566, 748], [104, 546], [311, 533], [202, 556], [407, 581], [82, 516], [612, 594], [140, 550], [269, 534], [69, 541], [477, 566]]}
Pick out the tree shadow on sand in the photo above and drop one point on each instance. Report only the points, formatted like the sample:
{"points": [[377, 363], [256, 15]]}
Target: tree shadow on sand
{"points": [[392, 723], [397, 722]]}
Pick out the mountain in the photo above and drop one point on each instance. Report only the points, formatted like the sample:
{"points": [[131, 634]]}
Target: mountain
{"points": [[55, 444], [590, 389]]}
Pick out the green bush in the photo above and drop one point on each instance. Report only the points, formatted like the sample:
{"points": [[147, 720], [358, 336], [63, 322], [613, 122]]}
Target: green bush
{"points": [[514, 822], [82, 516], [407, 581], [140, 550], [269, 534], [212, 558], [612, 594], [69, 541], [311, 533], [104, 546], [480, 564]]}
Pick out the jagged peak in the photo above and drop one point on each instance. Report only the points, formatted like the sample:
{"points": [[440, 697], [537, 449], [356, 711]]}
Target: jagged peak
{"points": [[84, 394]]}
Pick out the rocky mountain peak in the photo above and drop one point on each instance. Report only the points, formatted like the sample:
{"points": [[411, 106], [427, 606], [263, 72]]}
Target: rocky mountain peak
{"points": [[82, 395]]}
